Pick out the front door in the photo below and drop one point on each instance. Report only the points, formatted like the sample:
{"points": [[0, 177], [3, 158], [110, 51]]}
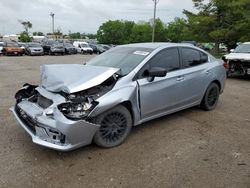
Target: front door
{"points": [[163, 93]]}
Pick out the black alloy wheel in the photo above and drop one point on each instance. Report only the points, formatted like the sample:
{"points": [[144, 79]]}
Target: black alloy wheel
{"points": [[115, 126], [211, 97]]}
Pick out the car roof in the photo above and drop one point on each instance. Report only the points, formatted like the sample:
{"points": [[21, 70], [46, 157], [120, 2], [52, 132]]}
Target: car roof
{"points": [[155, 45]]}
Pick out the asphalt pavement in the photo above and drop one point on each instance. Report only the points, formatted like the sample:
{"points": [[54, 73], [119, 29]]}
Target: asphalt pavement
{"points": [[191, 148]]}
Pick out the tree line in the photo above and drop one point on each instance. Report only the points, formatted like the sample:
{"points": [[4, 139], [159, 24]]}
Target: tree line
{"points": [[217, 21]]}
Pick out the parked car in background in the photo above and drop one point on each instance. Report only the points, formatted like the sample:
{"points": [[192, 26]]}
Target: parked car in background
{"points": [[52, 47], [83, 47], [106, 47], [34, 49], [76, 104], [206, 46], [1, 47], [69, 48], [238, 60], [97, 49], [47, 46], [223, 47], [22, 45], [194, 43], [12, 48]]}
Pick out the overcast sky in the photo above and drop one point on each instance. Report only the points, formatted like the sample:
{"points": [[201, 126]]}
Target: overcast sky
{"points": [[83, 15]]}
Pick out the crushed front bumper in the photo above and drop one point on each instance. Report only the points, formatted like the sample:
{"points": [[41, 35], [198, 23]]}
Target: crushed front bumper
{"points": [[56, 132]]}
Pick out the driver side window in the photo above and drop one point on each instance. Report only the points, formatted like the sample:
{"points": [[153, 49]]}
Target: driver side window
{"points": [[167, 59]]}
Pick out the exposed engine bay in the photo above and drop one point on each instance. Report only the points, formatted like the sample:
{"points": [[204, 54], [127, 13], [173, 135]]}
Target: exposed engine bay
{"points": [[239, 67], [81, 103], [76, 106]]}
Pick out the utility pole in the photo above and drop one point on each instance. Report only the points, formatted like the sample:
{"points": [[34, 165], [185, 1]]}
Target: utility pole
{"points": [[52, 16], [153, 33]]}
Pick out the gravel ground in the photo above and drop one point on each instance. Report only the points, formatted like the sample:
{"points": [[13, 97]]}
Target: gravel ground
{"points": [[191, 148]]}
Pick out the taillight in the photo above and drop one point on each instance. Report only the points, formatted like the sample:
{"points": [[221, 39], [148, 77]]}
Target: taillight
{"points": [[226, 65]]}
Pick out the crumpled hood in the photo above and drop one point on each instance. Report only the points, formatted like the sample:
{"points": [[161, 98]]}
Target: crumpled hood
{"points": [[238, 56], [71, 78]]}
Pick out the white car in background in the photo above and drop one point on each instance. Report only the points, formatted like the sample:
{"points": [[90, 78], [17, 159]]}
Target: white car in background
{"points": [[1, 47], [83, 47], [238, 61]]}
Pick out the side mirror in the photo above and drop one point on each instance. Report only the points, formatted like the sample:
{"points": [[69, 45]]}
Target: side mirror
{"points": [[232, 50], [155, 72]]}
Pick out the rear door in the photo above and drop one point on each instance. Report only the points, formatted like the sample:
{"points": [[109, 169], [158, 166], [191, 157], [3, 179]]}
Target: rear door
{"points": [[194, 76]]}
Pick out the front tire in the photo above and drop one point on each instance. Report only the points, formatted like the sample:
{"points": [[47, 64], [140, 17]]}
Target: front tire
{"points": [[211, 97], [115, 125]]}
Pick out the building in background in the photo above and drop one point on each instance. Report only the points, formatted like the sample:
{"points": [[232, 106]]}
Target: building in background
{"points": [[11, 37]]}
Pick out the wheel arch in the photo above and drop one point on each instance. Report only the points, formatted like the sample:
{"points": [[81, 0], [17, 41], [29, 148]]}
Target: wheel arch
{"points": [[128, 105], [218, 84], [126, 96]]}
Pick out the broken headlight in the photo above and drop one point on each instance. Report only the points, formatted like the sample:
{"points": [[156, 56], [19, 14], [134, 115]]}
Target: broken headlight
{"points": [[77, 110]]}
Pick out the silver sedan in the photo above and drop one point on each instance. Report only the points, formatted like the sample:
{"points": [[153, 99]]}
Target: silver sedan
{"points": [[100, 101]]}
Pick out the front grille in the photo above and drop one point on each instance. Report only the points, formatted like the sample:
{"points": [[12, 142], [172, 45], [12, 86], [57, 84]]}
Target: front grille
{"points": [[28, 121], [44, 102]]}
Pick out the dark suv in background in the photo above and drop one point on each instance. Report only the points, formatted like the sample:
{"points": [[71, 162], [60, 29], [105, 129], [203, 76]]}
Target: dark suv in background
{"points": [[69, 48], [52, 47]]}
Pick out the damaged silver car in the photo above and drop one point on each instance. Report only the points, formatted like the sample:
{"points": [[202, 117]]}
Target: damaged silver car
{"points": [[100, 101]]}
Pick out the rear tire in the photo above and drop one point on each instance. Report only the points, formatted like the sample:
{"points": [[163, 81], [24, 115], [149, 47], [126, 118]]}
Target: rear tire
{"points": [[211, 97], [115, 125]]}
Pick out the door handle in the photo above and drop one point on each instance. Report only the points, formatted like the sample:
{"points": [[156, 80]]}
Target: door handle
{"points": [[180, 78]]}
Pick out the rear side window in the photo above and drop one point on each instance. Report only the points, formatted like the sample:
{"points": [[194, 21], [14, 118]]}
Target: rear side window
{"points": [[192, 57], [167, 59]]}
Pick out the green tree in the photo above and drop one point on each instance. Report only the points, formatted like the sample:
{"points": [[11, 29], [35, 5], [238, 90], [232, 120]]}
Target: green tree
{"points": [[178, 30], [26, 25], [127, 31], [160, 31], [24, 37], [76, 35], [115, 32], [141, 32], [90, 35], [38, 33], [220, 21], [58, 33]]}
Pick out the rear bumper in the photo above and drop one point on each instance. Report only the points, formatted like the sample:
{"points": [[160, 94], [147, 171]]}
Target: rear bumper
{"points": [[57, 133]]}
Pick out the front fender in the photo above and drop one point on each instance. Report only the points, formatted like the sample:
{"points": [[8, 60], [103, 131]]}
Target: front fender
{"points": [[116, 97]]}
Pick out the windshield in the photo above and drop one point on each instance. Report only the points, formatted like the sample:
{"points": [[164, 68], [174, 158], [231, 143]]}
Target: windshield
{"points": [[124, 58], [68, 45], [12, 45], [84, 45], [51, 42], [56, 43], [34, 45], [244, 48]]}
